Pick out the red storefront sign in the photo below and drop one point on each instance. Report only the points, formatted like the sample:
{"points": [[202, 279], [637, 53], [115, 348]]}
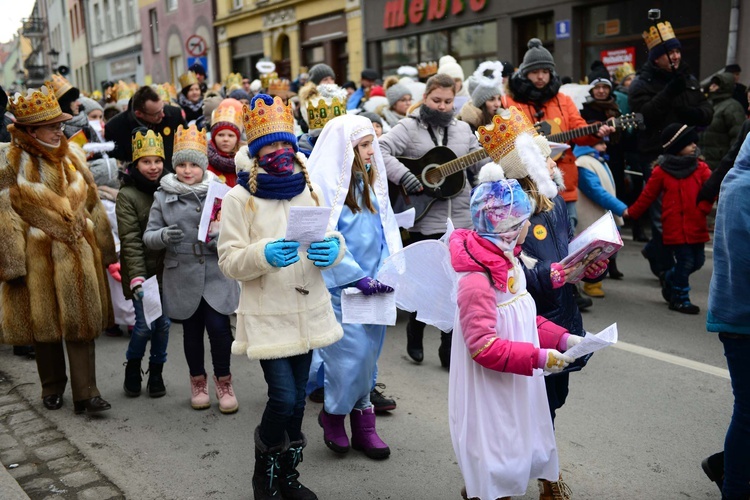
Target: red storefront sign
{"points": [[400, 12], [617, 57]]}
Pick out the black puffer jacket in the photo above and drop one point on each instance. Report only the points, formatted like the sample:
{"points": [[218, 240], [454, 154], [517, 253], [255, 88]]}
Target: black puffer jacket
{"points": [[663, 98]]}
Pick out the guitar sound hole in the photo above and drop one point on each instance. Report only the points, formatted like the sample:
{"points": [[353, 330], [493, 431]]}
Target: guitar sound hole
{"points": [[431, 177]]}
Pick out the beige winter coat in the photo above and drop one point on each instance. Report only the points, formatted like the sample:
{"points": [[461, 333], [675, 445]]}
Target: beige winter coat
{"points": [[55, 243], [283, 311]]}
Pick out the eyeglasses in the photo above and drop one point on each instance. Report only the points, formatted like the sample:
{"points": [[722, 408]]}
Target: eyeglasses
{"points": [[55, 127], [155, 113]]}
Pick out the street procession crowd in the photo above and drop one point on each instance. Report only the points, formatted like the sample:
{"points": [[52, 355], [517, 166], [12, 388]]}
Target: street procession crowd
{"points": [[101, 195]]}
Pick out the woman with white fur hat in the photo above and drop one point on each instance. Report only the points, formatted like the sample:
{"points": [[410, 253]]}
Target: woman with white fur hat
{"points": [[486, 95]]}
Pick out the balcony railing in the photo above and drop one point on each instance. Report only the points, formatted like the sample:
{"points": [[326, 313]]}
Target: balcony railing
{"points": [[34, 26]]}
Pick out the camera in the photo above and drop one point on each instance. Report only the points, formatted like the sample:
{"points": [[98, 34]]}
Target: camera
{"points": [[654, 14]]}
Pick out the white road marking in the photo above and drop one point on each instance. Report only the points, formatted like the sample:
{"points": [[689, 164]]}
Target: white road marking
{"points": [[675, 360]]}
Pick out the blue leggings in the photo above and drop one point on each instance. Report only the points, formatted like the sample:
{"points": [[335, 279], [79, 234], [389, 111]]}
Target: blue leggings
{"points": [[219, 336]]}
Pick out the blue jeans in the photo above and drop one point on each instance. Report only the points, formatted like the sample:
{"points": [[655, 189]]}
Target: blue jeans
{"points": [[572, 213], [286, 379], [688, 259], [157, 332], [737, 442], [219, 328]]}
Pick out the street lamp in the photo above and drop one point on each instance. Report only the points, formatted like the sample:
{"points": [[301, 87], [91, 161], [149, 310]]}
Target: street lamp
{"points": [[53, 57]]}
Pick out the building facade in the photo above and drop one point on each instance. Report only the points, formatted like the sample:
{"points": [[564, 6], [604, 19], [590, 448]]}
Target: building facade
{"points": [[179, 33], [59, 35], [80, 70], [114, 40], [577, 32], [294, 34], [37, 65]]}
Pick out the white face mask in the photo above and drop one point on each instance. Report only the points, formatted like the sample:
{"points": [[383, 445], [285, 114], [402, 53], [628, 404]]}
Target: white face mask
{"points": [[96, 125]]}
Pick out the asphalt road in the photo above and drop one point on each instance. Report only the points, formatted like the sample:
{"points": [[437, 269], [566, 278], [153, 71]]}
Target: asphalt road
{"points": [[636, 425]]}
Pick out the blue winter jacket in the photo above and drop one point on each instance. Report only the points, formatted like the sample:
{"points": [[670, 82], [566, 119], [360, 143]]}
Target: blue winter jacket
{"points": [[591, 186]]}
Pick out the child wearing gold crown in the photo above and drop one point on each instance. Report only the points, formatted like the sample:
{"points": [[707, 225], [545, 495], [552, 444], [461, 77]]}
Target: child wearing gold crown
{"points": [[226, 121], [195, 290], [190, 97], [285, 310], [140, 180]]}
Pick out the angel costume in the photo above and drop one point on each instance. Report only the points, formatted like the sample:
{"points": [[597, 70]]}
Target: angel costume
{"points": [[346, 369]]}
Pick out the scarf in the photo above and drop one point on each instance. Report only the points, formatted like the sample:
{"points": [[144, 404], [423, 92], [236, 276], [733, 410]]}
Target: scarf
{"points": [[223, 162], [485, 255], [525, 92], [274, 188], [433, 117], [280, 163], [170, 184], [140, 181], [679, 167], [195, 107]]}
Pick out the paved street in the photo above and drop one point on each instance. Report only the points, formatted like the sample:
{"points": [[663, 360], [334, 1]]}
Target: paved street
{"points": [[636, 425]]}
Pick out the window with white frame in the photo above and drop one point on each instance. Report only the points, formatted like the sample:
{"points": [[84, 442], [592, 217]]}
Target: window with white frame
{"points": [[118, 17], [171, 5], [98, 18], [153, 22], [236, 4], [130, 15]]}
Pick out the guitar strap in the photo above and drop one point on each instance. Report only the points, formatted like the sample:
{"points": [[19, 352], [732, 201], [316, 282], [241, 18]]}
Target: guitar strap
{"points": [[434, 139]]}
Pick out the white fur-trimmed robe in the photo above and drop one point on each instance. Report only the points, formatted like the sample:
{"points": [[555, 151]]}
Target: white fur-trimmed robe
{"points": [[55, 244]]}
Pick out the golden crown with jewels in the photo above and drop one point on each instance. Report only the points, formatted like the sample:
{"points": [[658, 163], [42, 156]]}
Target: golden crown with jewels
{"points": [[318, 115], [59, 84], [190, 138], [188, 79], [266, 78], [35, 107], [652, 38], [229, 110], [266, 119], [499, 137], [280, 87], [150, 144], [234, 82], [427, 69]]}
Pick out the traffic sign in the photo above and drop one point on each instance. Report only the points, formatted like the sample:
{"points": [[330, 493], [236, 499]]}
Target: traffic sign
{"points": [[562, 29], [196, 46], [202, 60]]}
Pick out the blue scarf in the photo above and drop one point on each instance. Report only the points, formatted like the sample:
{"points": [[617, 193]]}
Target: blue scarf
{"points": [[274, 188]]}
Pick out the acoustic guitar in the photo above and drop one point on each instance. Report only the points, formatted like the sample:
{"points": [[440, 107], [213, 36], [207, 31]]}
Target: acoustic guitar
{"points": [[442, 175], [552, 131]]}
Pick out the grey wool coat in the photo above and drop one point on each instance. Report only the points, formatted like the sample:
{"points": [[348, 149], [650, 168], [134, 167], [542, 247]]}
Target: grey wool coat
{"points": [[191, 268], [411, 139]]}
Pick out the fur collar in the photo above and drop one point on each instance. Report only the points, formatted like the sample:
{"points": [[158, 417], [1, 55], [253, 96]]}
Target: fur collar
{"points": [[23, 140], [245, 163]]}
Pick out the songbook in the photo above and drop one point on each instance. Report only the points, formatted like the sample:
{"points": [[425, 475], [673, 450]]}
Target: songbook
{"points": [[596, 243]]}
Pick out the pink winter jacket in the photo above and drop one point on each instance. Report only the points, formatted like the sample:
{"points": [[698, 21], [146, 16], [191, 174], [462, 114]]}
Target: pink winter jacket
{"points": [[478, 309]]}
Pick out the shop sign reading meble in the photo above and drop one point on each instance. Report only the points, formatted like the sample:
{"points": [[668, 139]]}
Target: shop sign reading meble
{"points": [[399, 12]]}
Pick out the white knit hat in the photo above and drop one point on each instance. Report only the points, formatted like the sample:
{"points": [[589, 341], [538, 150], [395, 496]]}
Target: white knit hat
{"points": [[450, 67]]}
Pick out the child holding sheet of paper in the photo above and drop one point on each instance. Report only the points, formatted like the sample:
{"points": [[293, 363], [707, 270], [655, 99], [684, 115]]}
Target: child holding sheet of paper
{"points": [[285, 310], [348, 166], [195, 290], [140, 180]]}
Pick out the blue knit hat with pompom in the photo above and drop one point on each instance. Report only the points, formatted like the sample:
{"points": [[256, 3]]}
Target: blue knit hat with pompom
{"points": [[255, 146]]}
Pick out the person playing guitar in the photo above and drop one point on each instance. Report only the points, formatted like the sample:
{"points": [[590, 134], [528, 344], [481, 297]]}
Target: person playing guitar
{"points": [[430, 124]]}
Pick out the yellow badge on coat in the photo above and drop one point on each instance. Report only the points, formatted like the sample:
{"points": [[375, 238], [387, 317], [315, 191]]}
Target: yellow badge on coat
{"points": [[540, 232], [166, 131]]}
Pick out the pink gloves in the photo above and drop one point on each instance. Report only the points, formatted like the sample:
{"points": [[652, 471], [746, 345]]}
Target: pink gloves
{"points": [[114, 271]]}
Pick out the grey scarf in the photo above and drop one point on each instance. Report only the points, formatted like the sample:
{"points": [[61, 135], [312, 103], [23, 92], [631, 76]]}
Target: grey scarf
{"points": [[170, 184]]}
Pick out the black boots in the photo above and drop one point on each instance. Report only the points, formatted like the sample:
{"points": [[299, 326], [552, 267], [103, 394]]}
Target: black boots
{"points": [[414, 336], [290, 487], [444, 351], [680, 301], [713, 466], [132, 385], [614, 273], [267, 469], [155, 384]]}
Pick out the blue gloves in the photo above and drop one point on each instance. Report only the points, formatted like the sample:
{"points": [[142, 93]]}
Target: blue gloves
{"points": [[324, 253], [282, 253], [370, 286]]}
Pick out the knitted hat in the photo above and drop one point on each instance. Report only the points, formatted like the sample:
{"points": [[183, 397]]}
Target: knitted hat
{"points": [[320, 71], [498, 205], [268, 114], [394, 91], [508, 69], [676, 136], [197, 68], [599, 74], [373, 117], [377, 91], [190, 145], [449, 66], [660, 39], [663, 48], [733, 68], [485, 87], [227, 115], [409, 71], [537, 57], [369, 74], [89, 105], [239, 94]]}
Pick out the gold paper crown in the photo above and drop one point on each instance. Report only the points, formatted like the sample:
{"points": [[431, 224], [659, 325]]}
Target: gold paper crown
{"points": [[318, 116], [150, 144], [499, 138], [35, 107], [264, 119], [190, 138], [234, 82], [229, 110], [279, 87], [427, 69], [124, 90], [187, 79], [623, 70], [266, 78], [171, 89], [96, 95], [652, 36], [59, 84]]}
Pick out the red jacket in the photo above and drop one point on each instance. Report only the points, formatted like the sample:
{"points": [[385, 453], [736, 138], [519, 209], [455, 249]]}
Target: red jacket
{"points": [[683, 221], [561, 106]]}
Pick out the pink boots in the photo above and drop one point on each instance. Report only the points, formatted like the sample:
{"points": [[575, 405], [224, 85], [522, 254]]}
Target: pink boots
{"points": [[199, 399], [364, 436], [225, 394], [334, 432]]}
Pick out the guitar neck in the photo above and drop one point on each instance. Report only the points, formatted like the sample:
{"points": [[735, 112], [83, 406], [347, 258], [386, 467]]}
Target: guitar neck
{"points": [[575, 133], [461, 163]]}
